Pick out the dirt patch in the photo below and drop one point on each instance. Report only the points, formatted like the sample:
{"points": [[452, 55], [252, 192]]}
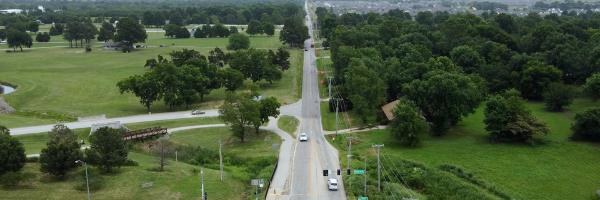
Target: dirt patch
{"points": [[5, 108]]}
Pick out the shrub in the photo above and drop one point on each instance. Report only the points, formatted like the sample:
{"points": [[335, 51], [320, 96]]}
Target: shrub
{"points": [[130, 162], [96, 181], [587, 125], [125, 49], [32, 159], [469, 177], [28, 177], [88, 48], [557, 96], [11, 179]]}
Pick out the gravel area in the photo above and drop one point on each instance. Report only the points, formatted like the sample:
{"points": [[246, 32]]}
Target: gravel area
{"points": [[5, 108]]}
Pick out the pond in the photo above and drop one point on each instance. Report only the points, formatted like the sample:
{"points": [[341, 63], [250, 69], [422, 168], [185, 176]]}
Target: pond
{"points": [[4, 89]]}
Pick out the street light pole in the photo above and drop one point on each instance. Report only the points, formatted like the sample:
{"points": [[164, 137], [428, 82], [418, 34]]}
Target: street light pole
{"points": [[202, 175], [87, 182]]}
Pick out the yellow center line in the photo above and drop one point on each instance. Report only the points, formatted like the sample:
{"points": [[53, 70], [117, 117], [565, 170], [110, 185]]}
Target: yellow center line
{"points": [[309, 161]]}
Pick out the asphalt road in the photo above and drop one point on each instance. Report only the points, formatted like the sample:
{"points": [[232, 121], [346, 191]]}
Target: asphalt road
{"points": [[312, 157]]}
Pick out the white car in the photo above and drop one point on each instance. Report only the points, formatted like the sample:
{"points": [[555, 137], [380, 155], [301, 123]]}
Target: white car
{"points": [[197, 112], [303, 137], [332, 184]]}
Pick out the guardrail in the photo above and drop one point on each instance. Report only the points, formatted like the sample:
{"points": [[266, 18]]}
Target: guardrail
{"points": [[271, 179], [144, 133]]}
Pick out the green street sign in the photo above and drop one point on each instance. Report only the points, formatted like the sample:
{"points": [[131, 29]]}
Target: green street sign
{"points": [[363, 198], [359, 172]]}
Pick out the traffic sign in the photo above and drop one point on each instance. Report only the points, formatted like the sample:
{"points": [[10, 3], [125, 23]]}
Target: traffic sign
{"points": [[363, 198], [358, 172]]}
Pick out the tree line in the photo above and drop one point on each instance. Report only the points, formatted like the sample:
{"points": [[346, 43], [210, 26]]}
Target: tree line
{"points": [[189, 76], [463, 59]]}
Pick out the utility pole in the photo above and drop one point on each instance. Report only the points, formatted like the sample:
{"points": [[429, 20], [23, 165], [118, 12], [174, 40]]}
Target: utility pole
{"points": [[202, 175], [221, 159], [378, 166], [328, 78], [350, 150]]}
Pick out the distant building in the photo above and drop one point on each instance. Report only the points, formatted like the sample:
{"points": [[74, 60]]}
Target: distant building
{"points": [[11, 11], [41, 8], [112, 46]]}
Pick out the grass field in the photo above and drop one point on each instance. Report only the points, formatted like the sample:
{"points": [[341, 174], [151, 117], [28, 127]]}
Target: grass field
{"points": [[558, 169], [126, 184], [66, 80], [34, 143], [346, 120], [285, 123], [253, 145]]}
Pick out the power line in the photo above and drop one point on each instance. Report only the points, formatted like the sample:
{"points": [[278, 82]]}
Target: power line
{"points": [[386, 156]]}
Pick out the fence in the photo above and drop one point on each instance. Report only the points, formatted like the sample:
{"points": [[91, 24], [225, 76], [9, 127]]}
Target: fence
{"points": [[144, 133], [271, 179]]}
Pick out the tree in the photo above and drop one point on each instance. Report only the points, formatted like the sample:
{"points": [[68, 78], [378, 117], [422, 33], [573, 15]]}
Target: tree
{"points": [[163, 149], [269, 28], [61, 152], [33, 26], [182, 33], [231, 79], [53, 31], [171, 30], [509, 120], [158, 19], [269, 107], [146, 87], [199, 33], [130, 32], [467, 58], [592, 87], [46, 37], [536, 78], [238, 41], [148, 18], [461, 97], [256, 65], [16, 38], [108, 149], [105, 35], [587, 125], [557, 96], [365, 89], [4, 130], [254, 27], [40, 37], [293, 33], [176, 19], [408, 125], [240, 112], [12, 156], [233, 30], [281, 59]]}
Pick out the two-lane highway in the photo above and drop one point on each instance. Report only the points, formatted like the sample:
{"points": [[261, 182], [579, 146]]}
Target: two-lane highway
{"points": [[315, 155]]}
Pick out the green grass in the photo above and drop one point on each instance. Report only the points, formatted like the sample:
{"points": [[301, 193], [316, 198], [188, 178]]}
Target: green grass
{"points": [[328, 119], [253, 145], [34, 143], [174, 123], [285, 124], [126, 184], [66, 80], [557, 169]]}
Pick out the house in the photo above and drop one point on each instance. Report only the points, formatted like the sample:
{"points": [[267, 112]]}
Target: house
{"points": [[387, 109], [112, 46], [11, 11]]}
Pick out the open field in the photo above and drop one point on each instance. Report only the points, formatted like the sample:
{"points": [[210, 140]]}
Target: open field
{"points": [[34, 143], [126, 182], [253, 145], [66, 80], [285, 123], [558, 169], [346, 120]]}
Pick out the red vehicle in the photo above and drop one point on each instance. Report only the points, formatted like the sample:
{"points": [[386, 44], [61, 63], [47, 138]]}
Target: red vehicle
{"points": [[312, 46]]}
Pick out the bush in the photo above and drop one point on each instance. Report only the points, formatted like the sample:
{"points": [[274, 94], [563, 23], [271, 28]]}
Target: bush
{"points": [[125, 49], [587, 125], [130, 162], [59, 117], [88, 48], [96, 181], [469, 177], [28, 177], [11, 179], [32, 159], [557, 96]]}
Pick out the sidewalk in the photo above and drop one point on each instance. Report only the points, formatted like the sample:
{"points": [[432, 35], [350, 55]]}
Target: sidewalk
{"points": [[354, 130]]}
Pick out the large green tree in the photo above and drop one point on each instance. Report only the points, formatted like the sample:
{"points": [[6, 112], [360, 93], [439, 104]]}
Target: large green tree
{"points": [[269, 107], [108, 149], [12, 154], [254, 27], [238, 41], [592, 87], [365, 89], [240, 112], [147, 87], [587, 125], [231, 79], [557, 96], [293, 33], [268, 28], [467, 58], [508, 120], [130, 32], [61, 152], [536, 78], [444, 97], [16, 38], [33, 26], [408, 125]]}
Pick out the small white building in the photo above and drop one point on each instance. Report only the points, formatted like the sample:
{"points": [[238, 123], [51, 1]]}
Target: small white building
{"points": [[11, 11], [41, 8]]}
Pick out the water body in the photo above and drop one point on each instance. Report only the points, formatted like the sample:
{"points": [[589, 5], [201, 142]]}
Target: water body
{"points": [[4, 89]]}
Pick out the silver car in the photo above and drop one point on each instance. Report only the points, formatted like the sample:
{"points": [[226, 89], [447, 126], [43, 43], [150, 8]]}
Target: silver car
{"points": [[332, 184], [303, 137], [197, 112]]}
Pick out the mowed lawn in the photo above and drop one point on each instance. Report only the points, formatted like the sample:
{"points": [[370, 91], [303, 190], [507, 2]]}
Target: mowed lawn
{"points": [[70, 81], [558, 169], [126, 183]]}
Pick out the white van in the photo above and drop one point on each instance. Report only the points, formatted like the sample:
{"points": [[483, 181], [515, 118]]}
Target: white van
{"points": [[332, 184]]}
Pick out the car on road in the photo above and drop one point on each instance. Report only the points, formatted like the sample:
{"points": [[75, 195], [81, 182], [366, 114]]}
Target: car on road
{"points": [[197, 112], [162, 45], [332, 184], [303, 137]]}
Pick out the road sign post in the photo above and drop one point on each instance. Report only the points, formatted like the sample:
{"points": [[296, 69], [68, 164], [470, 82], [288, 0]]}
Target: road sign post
{"points": [[363, 198]]}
